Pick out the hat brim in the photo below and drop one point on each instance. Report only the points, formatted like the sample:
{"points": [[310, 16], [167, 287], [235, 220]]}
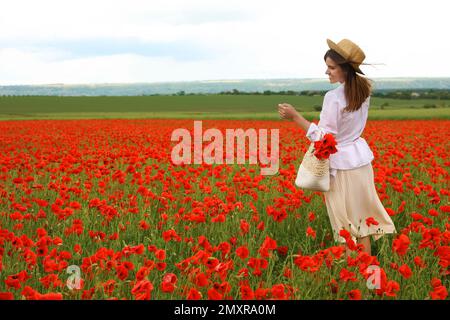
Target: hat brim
{"points": [[344, 55]]}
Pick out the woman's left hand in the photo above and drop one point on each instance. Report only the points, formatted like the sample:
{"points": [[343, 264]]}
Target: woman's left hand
{"points": [[286, 111]]}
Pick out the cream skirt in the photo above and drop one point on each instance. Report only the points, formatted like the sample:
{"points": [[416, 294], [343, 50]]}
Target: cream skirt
{"points": [[351, 200]]}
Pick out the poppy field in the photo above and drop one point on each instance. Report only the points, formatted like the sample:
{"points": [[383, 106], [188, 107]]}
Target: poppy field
{"points": [[99, 204]]}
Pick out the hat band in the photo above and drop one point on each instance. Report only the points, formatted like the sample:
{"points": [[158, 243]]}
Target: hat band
{"points": [[358, 63], [365, 64]]}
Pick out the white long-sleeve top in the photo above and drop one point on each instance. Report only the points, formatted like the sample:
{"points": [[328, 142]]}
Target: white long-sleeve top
{"points": [[347, 127]]}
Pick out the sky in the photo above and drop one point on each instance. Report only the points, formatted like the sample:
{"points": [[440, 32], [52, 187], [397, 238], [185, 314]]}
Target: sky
{"points": [[135, 41]]}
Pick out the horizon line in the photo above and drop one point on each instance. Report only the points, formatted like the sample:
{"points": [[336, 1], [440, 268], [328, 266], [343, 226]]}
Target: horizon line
{"points": [[206, 80]]}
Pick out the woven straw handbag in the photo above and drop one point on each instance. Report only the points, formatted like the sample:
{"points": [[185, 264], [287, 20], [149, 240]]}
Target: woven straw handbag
{"points": [[313, 174]]}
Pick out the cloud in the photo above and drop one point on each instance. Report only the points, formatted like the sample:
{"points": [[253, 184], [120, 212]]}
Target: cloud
{"points": [[154, 20], [73, 49], [139, 41]]}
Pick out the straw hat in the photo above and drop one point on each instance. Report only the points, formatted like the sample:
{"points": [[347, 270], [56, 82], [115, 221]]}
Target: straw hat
{"points": [[350, 52]]}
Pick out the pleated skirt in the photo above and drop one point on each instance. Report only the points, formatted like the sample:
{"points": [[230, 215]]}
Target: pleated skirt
{"points": [[352, 200]]}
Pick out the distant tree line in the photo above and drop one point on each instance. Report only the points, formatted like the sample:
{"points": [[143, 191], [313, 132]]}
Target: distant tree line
{"points": [[270, 92], [408, 94]]}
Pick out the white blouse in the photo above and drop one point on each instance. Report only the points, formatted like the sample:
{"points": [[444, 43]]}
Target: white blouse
{"points": [[347, 127]]}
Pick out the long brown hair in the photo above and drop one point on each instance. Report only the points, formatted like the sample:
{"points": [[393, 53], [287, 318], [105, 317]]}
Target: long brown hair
{"points": [[357, 88]]}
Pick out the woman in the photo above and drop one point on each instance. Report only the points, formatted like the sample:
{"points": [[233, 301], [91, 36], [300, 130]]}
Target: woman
{"points": [[352, 201]]}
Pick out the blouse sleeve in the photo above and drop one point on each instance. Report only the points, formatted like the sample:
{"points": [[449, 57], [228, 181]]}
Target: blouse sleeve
{"points": [[328, 119]]}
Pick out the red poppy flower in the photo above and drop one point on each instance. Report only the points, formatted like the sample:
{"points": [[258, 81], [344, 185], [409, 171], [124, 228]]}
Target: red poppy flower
{"points": [[213, 294], [418, 261], [168, 282], [405, 271], [50, 296], [244, 226], [247, 293], [261, 293], [278, 291], [122, 272], [354, 294], [268, 245], [142, 273], [344, 234], [6, 296], [171, 235], [391, 288], [161, 266], [15, 281], [142, 290], [160, 254], [401, 244], [346, 275], [109, 286], [29, 293], [333, 286], [439, 293], [242, 252], [201, 280], [287, 273], [282, 250], [371, 221], [310, 232], [12, 282], [323, 148], [194, 294], [223, 287], [144, 225]]}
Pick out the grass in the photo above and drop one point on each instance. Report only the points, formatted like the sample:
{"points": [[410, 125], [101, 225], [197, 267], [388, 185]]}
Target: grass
{"points": [[198, 107], [396, 114]]}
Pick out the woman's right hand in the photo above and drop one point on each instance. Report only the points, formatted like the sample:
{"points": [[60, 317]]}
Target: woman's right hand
{"points": [[286, 111]]}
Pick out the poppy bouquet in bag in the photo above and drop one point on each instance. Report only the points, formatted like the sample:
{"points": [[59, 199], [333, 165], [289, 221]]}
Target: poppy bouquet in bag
{"points": [[314, 171]]}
